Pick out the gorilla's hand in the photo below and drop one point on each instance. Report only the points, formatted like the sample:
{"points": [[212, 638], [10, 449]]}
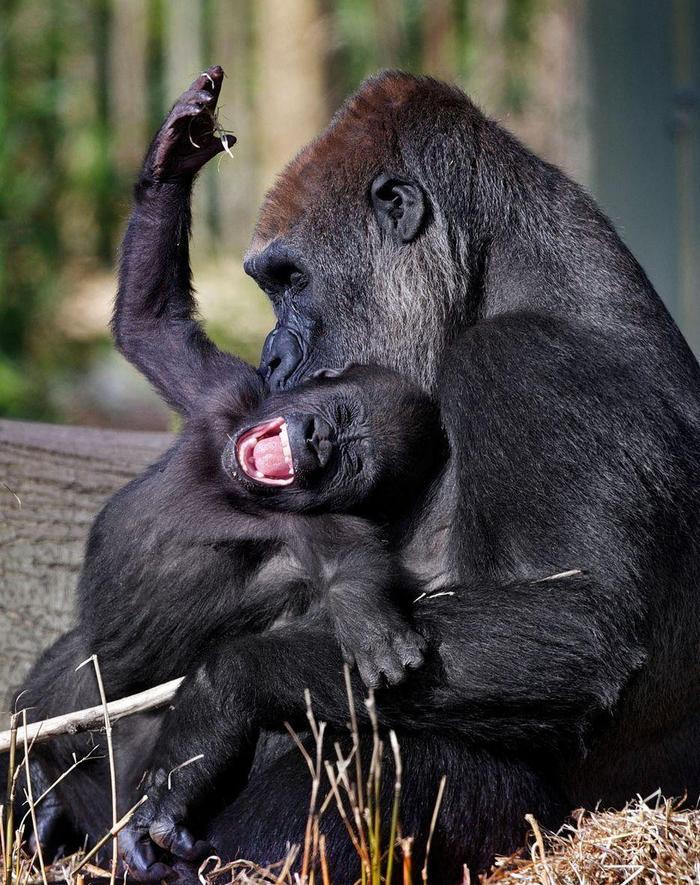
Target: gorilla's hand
{"points": [[156, 836], [382, 646], [189, 136]]}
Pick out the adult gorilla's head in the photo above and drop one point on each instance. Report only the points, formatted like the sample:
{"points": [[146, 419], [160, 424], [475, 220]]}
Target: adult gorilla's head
{"points": [[362, 244]]}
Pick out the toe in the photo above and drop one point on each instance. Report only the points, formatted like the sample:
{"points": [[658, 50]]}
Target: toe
{"points": [[409, 649], [392, 669], [369, 673], [178, 840], [140, 858]]}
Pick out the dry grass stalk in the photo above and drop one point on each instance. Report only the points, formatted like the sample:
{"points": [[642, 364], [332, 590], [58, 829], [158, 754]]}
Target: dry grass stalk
{"points": [[9, 841], [119, 825], [110, 753], [30, 800], [433, 822]]}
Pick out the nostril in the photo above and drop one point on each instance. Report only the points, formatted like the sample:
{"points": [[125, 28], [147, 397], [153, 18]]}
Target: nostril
{"points": [[309, 430], [282, 354], [272, 366], [317, 430]]}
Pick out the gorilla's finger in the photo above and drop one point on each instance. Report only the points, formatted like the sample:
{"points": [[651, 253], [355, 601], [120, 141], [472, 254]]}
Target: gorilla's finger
{"points": [[410, 647], [391, 667], [209, 81], [178, 840], [230, 140], [369, 673]]}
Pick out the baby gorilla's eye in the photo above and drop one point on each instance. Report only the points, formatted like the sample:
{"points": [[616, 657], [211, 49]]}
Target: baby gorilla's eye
{"points": [[344, 415]]}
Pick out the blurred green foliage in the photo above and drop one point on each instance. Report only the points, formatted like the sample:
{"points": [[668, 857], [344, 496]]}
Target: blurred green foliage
{"points": [[63, 190]]}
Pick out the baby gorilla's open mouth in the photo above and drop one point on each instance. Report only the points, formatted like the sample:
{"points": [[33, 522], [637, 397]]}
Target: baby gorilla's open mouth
{"points": [[264, 454]]}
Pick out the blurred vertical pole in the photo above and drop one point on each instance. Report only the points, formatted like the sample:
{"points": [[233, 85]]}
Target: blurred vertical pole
{"points": [[290, 102], [487, 71], [128, 90], [51, 146], [155, 64], [183, 63], [439, 38], [6, 65], [236, 181], [183, 45], [104, 179], [389, 32]]}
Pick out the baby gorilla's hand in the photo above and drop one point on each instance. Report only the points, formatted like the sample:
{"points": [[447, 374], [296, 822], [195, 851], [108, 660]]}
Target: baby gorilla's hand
{"points": [[155, 837], [380, 644], [188, 138]]}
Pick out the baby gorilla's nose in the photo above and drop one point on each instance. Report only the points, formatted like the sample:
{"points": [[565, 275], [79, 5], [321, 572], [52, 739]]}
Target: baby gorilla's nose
{"points": [[311, 442], [320, 440]]}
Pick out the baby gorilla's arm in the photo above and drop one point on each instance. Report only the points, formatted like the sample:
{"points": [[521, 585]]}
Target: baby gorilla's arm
{"points": [[154, 320], [370, 621]]}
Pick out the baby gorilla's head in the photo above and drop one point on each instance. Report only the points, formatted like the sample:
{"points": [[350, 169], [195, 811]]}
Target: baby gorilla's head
{"points": [[337, 441]]}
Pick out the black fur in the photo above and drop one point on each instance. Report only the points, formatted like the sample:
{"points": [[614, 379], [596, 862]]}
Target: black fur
{"points": [[563, 671]]}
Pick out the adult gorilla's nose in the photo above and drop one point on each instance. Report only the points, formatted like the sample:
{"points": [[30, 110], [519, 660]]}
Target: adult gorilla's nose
{"points": [[311, 441], [281, 355]]}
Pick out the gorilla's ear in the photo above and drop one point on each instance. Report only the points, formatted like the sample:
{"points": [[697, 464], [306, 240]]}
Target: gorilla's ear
{"points": [[399, 206]]}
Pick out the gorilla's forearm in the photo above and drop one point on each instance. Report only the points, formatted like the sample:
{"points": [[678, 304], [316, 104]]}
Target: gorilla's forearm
{"points": [[154, 321]]}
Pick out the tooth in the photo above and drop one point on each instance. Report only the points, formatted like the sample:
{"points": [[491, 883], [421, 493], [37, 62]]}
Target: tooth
{"points": [[259, 474]]}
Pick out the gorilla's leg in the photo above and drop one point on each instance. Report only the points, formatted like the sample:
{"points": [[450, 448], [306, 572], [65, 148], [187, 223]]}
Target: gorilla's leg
{"points": [[482, 812]]}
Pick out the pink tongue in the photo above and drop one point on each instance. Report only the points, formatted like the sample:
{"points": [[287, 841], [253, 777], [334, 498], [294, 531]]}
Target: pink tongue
{"points": [[269, 458]]}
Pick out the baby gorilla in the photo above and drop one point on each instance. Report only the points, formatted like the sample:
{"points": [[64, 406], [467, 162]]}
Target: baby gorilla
{"points": [[345, 453], [308, 499], [265, 508]]}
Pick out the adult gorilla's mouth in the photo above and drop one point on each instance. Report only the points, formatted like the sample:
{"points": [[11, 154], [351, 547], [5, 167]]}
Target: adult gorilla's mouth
{"points": [[264, 453]]}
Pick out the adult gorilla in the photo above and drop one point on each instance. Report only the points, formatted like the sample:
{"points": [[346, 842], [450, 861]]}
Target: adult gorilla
{"points": [[417, 234]]}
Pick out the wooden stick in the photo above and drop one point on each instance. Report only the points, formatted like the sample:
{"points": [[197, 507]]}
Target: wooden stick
{"points": [[93, 717]]}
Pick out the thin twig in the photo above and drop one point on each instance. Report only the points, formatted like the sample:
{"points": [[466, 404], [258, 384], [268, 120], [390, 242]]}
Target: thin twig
{"points": [[182, 765], [358, 760], [120, 824], [433, 822], [13, 493], [58, 780], [395, 804]]}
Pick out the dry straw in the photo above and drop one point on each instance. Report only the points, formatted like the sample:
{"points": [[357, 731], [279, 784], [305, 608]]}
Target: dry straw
{"points": [[651, 841]]}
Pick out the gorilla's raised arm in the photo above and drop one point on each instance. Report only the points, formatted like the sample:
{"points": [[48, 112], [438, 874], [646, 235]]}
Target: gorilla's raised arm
{"points": [[154, 321]]}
